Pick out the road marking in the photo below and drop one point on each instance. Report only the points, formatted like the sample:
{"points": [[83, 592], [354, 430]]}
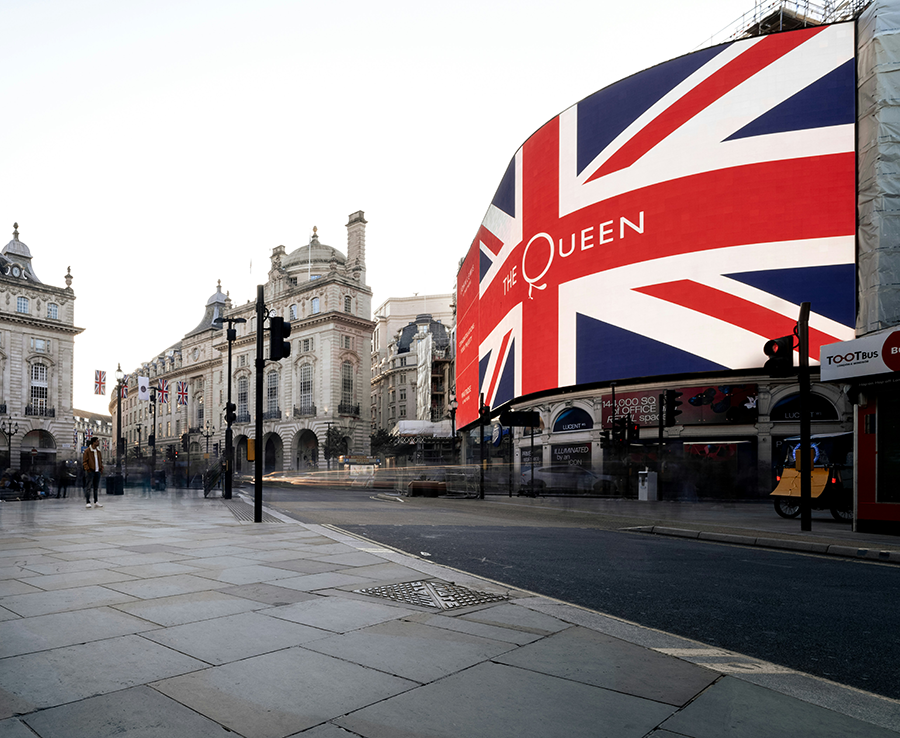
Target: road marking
{"points": [[725, 661]]}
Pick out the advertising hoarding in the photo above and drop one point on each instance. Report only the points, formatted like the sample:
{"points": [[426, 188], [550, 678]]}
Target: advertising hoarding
{"points": [[877, 353], [717, 404], [670, 223]]}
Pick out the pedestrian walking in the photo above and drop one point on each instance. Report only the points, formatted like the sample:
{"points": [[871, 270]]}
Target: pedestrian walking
{"points": [[92, 463]]}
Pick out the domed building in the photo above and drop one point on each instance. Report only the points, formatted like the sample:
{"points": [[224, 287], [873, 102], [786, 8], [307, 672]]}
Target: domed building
{"points": [[322, 384], [37, 339]]}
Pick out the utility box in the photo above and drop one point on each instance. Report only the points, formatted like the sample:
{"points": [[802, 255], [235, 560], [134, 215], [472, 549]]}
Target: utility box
{"points": [[647, 485]]}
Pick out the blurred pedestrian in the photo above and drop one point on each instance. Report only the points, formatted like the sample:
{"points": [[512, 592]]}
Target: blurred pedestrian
{"points": [[92, 463]]}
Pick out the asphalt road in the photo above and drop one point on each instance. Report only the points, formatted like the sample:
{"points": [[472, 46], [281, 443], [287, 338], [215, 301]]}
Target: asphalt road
{"points": [[833, 618]]}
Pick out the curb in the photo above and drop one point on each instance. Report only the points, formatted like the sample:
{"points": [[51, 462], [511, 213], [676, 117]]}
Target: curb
{"points": [[851, 552]]}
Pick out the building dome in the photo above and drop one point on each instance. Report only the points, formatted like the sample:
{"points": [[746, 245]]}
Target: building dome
{"points": [[316, 256]]}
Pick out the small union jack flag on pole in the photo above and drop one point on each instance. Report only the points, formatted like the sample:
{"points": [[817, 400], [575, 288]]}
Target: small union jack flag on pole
{"points": [[99, 382], [124, 386], [163, 391], [88, 434], [182, 393]]}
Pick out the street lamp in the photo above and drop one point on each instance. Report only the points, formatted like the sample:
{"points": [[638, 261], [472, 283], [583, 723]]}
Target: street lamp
{"points": [[231, 337], [453, 405], [10, 430], [120, 376], [207, 432]]}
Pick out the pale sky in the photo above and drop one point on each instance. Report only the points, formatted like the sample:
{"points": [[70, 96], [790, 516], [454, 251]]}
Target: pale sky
{"points": [[157, 147]]}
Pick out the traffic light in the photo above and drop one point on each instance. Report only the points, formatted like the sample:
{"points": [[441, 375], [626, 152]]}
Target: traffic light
{"points": [[278, 331], [781, 356], [620, 431], [230, 412], [184, 441], [605, 441], [633, 433], [151, 440], [672, 403]]}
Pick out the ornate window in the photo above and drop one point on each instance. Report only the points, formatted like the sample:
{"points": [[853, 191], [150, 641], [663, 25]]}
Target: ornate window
{"points": [[346, 383], [39, 388], [348, 304], [292, 312], [52, 311], [22, 305], [315, 305], [243, 409], [272, 395], [306, 386]]}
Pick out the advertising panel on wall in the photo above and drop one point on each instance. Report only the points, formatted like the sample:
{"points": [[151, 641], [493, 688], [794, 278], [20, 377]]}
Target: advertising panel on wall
{"points": [[669, 224], [719, 404]]}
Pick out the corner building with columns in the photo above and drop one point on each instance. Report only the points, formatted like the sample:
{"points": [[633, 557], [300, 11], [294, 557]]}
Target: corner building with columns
{"points": [[323, 384]]}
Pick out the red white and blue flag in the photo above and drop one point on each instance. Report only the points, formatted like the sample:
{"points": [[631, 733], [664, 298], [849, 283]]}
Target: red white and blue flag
{"points": [[670, 224], [163, 391], [88, 434], [99, 382], [182, 393], [124, 386]]}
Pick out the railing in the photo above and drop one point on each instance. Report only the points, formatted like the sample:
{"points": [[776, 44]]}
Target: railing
{"points": [[346, 409], [44, 412], [305, 411], [243, 418], [272, 415]]}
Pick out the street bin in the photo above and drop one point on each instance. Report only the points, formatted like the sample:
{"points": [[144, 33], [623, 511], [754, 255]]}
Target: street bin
{"points": [[647, 485], [115, 485]]}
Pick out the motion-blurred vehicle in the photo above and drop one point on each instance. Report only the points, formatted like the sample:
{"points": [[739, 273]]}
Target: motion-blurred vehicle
{"points": [[567, 480]]}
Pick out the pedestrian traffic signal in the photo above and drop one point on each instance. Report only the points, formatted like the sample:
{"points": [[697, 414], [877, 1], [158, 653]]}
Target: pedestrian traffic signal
{"points": [[279, 329], [672, 403], [781, 356], [633, 433], [230, 412], [620, 431], [184, 441]]}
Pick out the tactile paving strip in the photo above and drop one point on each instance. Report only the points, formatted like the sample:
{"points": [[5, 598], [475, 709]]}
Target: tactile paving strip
{"points": [[243, 511], [438, 595]]}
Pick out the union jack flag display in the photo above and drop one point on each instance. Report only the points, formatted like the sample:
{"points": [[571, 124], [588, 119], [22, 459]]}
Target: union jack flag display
{"points": [[670, 224], [163, 391], [124, 386], [182, 393], [88, 434], [99, 382]]}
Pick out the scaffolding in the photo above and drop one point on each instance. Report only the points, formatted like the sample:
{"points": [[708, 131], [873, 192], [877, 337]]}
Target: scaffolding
{"points": [[772, 16]]}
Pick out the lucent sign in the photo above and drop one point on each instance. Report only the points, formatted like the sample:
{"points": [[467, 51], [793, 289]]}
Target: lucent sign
{"points": [[670, 223]]}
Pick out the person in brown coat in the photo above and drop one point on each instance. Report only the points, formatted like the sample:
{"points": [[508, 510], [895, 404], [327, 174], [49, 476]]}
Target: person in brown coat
{"points": [[92, 463]]}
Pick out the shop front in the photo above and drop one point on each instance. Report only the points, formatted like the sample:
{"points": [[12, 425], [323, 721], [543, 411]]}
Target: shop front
{"points": [[868, 368]]}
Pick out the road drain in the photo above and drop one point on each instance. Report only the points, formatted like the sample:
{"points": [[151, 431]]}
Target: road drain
{"points": [[243, 511], [437, 595]]}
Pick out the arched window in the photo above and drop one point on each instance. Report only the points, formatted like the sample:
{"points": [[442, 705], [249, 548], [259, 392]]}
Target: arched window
{"points": [[306, 390], [315, 305], [292, 312], [272, 411], [243, 409]]}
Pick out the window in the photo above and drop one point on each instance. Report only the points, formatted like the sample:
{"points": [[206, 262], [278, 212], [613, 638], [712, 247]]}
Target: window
{"points": [[315, 305], [177, 427], [403, 393], [346, 342], [242, 360], [243, 410], [306, 386], [272, 393], [292, 312], [348, 304], [22, 305], [168, 429], [403, 411], [40, 345], [308, 344], [39, 387], [52, 311], [403, 361], [401, 379], [347, 383]]}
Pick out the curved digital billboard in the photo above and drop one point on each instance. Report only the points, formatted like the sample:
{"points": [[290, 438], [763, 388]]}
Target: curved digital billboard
{"points": [[670, 223]]}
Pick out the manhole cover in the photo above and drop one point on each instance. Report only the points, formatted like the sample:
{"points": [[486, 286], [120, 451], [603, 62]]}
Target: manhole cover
{"points": [[438, 595]]}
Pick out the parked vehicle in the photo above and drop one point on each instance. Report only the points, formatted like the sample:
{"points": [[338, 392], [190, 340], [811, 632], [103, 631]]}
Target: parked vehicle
{"points": [[828, 490]]}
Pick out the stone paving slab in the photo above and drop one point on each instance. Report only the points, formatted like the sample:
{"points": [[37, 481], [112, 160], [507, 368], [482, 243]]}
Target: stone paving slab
{"points": [[338, 614], [187, 608], [603, 661], [78, 598], [521, 703], [281, 693], [139, 712], [45, 632]]}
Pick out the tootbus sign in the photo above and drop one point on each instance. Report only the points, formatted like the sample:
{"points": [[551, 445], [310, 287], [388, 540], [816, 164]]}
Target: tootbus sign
{"points": [[878, 353]]}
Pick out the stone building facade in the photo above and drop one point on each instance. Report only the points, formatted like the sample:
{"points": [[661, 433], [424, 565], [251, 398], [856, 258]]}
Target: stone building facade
{"points": [[37, 341], [323, 384]]}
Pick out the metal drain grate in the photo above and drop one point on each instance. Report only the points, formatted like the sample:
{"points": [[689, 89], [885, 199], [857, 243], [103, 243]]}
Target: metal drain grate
{"points": [[244, 512], [437, 595]]}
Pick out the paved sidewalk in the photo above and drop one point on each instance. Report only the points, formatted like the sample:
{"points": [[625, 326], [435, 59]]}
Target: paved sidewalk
{"points": [[170, 616]]}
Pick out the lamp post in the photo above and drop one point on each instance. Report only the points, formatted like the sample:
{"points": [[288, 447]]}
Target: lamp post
{"points": [[10, 430], [231, 337], [453, 405], [139, 426], [207, 432], [120, 376]]}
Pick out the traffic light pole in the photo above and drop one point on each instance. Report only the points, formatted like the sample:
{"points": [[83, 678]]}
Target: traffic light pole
{"points": [[260, 370], [230, 337], [805, 431]]}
